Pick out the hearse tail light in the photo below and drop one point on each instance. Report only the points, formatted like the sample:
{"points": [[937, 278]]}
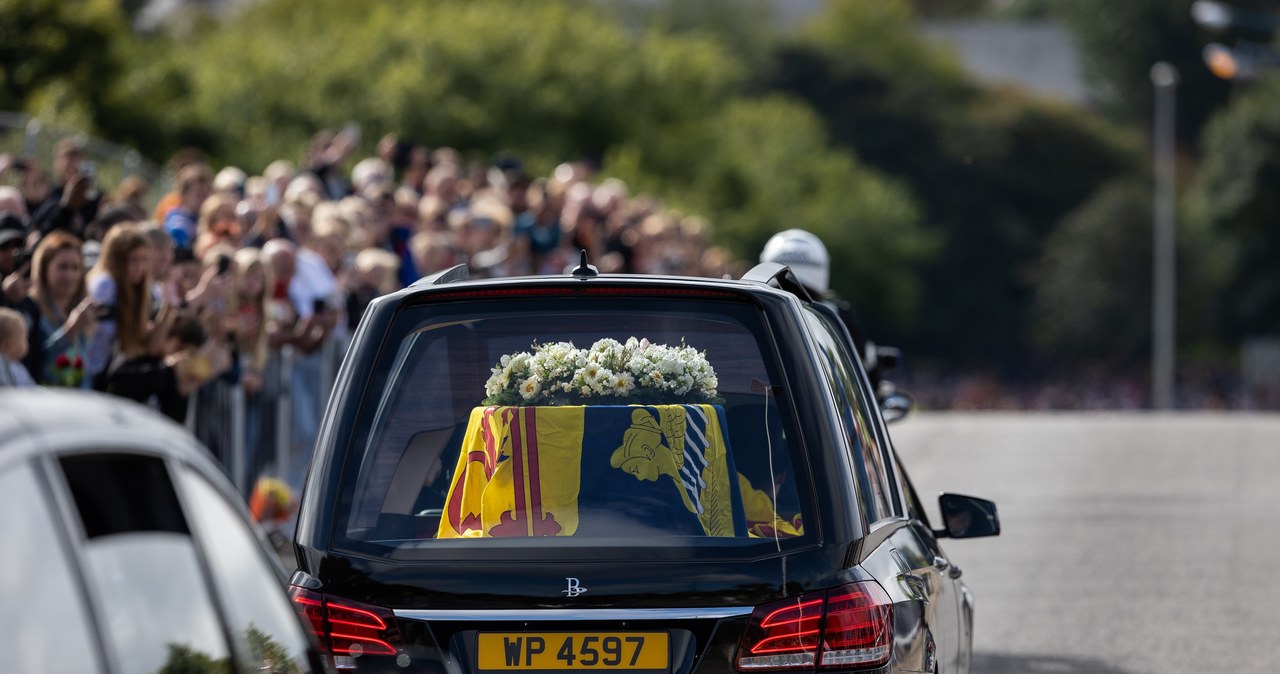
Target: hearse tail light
{"points": [[859, 627], [346, 630], [848, 627]]}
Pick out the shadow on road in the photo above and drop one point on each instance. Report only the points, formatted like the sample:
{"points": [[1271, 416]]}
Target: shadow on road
{"points": [[1017, 663]]}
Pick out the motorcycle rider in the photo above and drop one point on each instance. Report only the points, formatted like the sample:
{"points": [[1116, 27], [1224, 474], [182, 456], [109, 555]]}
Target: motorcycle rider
{"points": [[808, 259]]}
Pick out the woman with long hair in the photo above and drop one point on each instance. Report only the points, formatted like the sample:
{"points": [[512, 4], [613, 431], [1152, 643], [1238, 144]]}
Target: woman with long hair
{"points": [[59, 315], [120, 283]]}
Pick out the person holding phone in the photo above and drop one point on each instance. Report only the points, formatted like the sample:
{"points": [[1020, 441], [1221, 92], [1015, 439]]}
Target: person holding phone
{"points": [[328, 152], [74, 200]]}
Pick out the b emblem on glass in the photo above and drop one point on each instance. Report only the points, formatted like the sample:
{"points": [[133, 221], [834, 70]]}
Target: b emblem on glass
{"points": [[575, 588]]}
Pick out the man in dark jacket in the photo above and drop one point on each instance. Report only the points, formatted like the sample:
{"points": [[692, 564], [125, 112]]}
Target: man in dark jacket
{"points": [[15, 265], [73, 202]]}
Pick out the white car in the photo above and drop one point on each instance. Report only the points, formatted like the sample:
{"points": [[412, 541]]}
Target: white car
{"points": [[127, 550]]}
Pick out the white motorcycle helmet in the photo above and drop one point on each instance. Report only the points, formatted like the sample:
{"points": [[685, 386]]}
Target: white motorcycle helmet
{"points": [[803, 253]]}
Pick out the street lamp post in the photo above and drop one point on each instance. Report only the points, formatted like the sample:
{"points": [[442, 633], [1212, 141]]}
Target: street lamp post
{"points": [[1163, 316]]}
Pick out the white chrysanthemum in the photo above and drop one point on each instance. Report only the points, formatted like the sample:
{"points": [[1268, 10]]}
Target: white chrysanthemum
{"points": [[603, 383], [530, 388], [607, 368], [519, 362], [606, 347], [623, 384], [494, 385]]}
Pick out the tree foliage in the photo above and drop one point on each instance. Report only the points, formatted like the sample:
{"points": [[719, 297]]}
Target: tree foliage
{"points": [[58, 59], [1093, 280], [544, 79], [747, 28], [765, 165], [994, 170], [1235, 198], [1120, 41]]}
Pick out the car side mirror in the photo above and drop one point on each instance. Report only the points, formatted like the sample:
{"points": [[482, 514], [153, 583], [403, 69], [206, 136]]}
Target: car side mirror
{"points": [[894, 406], [967, 517]]}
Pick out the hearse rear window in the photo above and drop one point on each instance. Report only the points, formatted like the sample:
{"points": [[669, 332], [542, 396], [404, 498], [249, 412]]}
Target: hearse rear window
{"points": [[623, 421]]}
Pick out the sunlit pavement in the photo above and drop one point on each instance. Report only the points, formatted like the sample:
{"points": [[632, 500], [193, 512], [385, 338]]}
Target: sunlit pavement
{"points": [[1132, 543]]}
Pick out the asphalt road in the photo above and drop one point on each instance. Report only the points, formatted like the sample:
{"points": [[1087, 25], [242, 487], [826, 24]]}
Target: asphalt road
{"points": [[1131, 544]]}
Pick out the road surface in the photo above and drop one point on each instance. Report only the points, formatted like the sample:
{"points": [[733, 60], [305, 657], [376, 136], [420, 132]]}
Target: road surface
{"points": [[1132, 544]]}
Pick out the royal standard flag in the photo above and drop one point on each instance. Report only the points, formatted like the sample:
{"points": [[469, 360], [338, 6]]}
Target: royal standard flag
{"points": [[596, 470]]}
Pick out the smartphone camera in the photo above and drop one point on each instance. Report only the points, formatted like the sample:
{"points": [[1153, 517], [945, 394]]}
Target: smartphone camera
{"points": [[224, 265], [88, 169]]}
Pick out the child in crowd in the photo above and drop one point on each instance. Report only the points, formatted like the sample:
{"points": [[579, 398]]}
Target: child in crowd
{"points": [[191, 360], [13, 348]]}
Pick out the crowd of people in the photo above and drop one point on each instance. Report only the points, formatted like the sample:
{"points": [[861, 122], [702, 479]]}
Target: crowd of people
{"points": [[227, 301], [240, 284]]}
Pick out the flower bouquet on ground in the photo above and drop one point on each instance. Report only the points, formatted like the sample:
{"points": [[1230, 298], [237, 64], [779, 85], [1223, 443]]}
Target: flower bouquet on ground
{"points": [[608, 373]]}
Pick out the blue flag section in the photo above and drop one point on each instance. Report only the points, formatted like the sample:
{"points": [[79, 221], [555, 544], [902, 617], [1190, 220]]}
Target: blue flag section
{"points": [[614, 470], [666, 468]]}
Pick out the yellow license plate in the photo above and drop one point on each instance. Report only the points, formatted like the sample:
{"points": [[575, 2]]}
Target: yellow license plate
{"points": [[529, 651]]}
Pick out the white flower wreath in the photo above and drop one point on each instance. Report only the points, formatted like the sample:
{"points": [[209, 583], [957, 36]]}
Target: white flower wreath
{"points": [[559, 373]]}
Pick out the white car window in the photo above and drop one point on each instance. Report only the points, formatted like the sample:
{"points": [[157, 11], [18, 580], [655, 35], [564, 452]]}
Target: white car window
{"points": [[267, 634], [43, 624]]}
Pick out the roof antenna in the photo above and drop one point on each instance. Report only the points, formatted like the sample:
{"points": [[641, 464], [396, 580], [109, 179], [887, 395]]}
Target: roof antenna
{"points": [[585, 270]]}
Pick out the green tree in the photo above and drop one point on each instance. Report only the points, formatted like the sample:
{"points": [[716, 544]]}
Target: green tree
{"points": [[549, 80], [1234, 197], [762, 166], [1093, 281], [185, 660], [58, 59], [993, 170], [1120, 41], [747, 28], [266, 654]]}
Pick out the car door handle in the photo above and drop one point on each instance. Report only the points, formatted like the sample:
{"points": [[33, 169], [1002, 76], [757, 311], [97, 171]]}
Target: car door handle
{"points": [[944, 564]]}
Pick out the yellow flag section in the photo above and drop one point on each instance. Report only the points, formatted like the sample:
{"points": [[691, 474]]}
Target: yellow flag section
{"points": [[609, 470], [762, 520], [518, 474]]}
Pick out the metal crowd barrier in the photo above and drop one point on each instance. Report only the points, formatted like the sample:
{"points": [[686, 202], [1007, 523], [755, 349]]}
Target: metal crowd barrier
{"points": [[218, 415], [26, 136]]}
